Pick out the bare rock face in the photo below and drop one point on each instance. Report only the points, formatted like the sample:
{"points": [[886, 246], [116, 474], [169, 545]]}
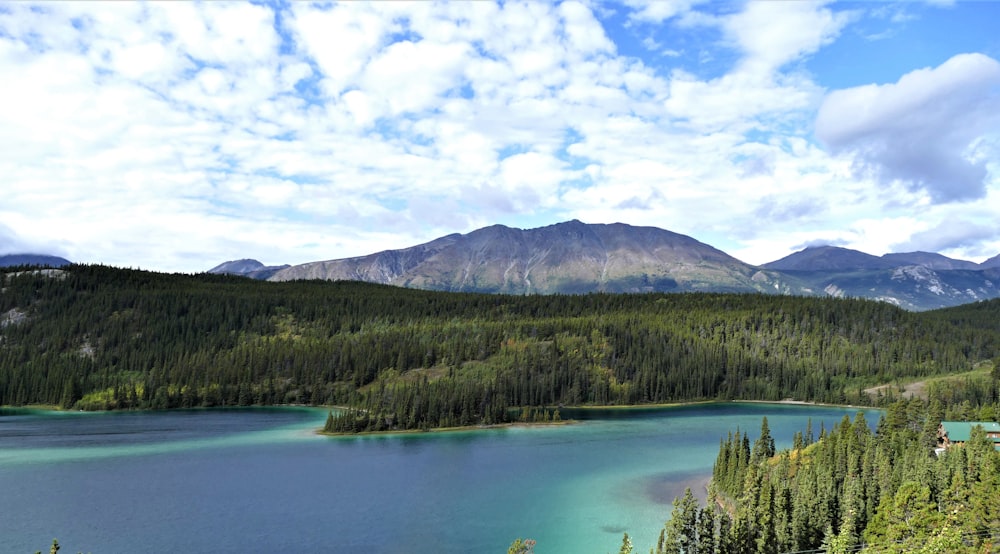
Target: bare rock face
{"points": [[570, 257], [12, 317], [574, 257], [929, 260]]}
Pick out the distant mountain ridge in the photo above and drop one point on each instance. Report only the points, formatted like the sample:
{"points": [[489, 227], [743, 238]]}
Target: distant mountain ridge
{"points": [[828, 258], [574, 257], [990, 263], [247, 268], [835, 258], [9, 260]]}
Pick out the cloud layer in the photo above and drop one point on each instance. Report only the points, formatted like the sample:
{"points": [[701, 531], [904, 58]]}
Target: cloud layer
{"points": [[931, 130], [175, 136]]}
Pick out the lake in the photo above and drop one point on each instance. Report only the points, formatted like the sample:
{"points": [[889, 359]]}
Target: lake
{"points": [[260, 480]]}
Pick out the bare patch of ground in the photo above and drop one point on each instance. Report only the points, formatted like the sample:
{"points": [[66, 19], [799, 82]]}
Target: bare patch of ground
{"points": [[917, 389], [12, 317]]}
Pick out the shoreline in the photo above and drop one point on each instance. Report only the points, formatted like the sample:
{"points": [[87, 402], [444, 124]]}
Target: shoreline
{"points": [[616, 407], [790, 402], [641, 406], [512, 424]]}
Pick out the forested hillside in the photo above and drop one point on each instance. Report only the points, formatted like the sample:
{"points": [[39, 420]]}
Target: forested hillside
{"points": [[94, 337], [853, 490]]}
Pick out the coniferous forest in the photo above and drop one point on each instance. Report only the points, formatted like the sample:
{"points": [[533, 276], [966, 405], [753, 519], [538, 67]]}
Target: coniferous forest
{"points": [[96, 338], [851, 489]]}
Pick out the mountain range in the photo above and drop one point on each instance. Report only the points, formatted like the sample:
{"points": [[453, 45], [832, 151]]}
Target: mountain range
{"points": [[574, 257]]}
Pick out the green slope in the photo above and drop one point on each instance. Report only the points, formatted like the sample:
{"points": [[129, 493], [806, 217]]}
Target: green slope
{"points": [[104, 338]]}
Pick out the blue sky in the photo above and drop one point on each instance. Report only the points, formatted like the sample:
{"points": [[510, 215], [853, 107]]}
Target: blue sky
{"points": [[176, 135]]}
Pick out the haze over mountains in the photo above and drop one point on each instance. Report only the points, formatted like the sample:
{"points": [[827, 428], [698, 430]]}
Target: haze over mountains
{"points": [[575, 257]]}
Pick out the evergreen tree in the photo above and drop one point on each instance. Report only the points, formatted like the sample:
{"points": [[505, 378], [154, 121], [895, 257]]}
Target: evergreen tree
{"points": [[521, 546], [764, 446], [626, 545]]}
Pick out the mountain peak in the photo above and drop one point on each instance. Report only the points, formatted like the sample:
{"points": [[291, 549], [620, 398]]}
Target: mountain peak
{"points": [[990, 263], [928, 259], [828, 258], [247, 268], [566, 257], [238, 267], [573, 257]]}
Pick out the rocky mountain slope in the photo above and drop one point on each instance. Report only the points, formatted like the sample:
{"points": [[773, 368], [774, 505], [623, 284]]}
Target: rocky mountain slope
{"points": [[247, 268], [992, 262], [912, 280], [835, 258], [828, 258], [570, 257], [574, 257]]}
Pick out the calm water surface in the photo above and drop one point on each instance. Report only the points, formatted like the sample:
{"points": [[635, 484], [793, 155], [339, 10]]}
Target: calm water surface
{"points": [[260, 480]]}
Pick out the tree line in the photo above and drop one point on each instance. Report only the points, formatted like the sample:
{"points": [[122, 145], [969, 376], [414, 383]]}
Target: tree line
{"points": [[854, 489], [106, 338]]}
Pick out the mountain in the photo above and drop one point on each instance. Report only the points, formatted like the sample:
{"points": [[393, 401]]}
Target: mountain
{"points": [[8, 260], [911, 280], [247, 268], [929, 260], [990, 263], [828, 258], [913, 287], [569, 257], [575, 257]]}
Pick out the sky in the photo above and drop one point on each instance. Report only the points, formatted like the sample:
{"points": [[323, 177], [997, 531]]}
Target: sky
{"points": [[174, 136]]}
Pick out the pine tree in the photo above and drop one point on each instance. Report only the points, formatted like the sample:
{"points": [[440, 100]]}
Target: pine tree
{"points": [[626, 545], [763, 448]]}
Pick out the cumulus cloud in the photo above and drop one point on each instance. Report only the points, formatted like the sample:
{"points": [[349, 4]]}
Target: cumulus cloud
{"points": [[816, 243], [10, 243], [178, 135], [657, 11], [775, 210], [923, 130], [950, 235], [767, 37], [772, 34]]}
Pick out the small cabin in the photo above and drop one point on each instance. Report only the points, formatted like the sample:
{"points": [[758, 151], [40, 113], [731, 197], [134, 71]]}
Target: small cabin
{"points": [[952, 433]]}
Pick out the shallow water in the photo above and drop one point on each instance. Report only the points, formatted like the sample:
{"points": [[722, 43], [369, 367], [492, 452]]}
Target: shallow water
{"points": [[260, 480]]}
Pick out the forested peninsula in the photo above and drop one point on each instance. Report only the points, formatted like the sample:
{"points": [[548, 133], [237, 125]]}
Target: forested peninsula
{"points": [[888, 491], [99, 338]]}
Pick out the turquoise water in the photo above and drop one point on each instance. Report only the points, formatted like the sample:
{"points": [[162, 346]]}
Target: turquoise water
{"points": [[260, 480]]}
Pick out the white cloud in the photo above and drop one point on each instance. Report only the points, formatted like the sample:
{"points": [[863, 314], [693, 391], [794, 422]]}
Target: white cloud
{"points": [[658, 11], [414, 77], [177, 135], [922, 130], [340, 39], [772, 34]]}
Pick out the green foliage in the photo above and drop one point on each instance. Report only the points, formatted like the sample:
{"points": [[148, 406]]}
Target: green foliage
{"points": [[53, 549], [519, 546], [626, 545], [885, 490], [106, 338]]}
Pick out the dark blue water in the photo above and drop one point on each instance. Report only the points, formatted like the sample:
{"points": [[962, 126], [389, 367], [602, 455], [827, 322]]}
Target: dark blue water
{"points": [[262, 481]]}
